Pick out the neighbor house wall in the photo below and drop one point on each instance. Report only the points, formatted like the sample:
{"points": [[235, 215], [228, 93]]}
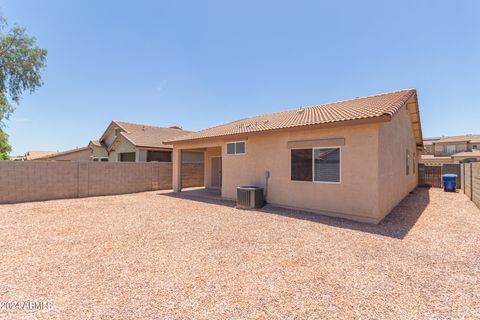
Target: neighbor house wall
{"points": [[110, 137], [123, 146], [99, 152], [394, 139], [43, 180], [141, 155]]}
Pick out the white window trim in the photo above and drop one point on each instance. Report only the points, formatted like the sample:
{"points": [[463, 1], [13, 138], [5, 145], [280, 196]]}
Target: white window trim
{"points": [[235, 148], [313, 166]]}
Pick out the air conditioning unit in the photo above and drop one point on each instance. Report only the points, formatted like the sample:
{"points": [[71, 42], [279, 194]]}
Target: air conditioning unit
{"points": [[249, 197]]}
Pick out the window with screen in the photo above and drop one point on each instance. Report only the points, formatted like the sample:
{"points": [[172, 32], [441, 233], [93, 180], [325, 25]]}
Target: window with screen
{"points": [[127, 157], [450, 148], [236, 147], [317, 164], [160, 156], [302, 165], [327, 165]]}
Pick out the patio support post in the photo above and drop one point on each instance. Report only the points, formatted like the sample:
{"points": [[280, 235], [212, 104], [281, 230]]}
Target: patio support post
{"points": [[177, 168]]}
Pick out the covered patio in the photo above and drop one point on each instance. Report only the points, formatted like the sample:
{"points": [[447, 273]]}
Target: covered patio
{"points": [[212, 170]]}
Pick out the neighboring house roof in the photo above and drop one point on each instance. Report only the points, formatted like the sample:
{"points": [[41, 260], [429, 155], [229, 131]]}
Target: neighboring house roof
{"points": [[147, 136], [96, 143], [472, 138], [433, 157], [475, 153], [378, 106], [35, 154], [57, 154]]}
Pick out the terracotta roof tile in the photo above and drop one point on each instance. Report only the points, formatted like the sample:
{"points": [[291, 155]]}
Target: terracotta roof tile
{"points": [[472, 138], [149, 136], [36, 154], [355, 109]]}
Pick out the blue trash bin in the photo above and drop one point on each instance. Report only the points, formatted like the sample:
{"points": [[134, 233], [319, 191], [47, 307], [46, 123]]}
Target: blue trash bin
{"points": [[449, 182]]}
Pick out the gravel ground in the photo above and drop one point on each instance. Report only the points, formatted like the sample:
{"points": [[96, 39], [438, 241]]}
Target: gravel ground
{"points": [[157, 256]]}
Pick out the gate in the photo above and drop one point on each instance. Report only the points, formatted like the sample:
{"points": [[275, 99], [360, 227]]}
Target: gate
{"points": [[430, 176]]}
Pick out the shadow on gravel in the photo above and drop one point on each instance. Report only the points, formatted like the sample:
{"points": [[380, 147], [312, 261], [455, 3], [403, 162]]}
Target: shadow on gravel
{"points": [[396, 224], [200, 195]]}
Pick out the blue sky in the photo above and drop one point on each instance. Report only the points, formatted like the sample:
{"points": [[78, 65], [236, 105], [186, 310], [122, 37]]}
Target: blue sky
{"points": [[202, 63]]}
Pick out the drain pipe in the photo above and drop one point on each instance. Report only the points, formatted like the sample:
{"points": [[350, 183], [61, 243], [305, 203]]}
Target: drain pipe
{"points": [[267, 176]]}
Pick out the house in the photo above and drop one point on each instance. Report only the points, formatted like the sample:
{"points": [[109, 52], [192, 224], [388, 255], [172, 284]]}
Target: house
{"points": [[451, 149], [355, 159], [35, 154], [77, 154], [130, 142]]}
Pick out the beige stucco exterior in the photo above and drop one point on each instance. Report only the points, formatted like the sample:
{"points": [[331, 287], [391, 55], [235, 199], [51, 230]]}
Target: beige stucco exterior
{"points": [[373, 168]]}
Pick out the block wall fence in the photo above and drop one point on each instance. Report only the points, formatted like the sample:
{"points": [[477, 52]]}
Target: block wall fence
{"points": [[43, 180], [470, 184]]}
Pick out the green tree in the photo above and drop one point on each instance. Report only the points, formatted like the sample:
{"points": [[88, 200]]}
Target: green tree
{"points": [[21, 62], [5, 148]]}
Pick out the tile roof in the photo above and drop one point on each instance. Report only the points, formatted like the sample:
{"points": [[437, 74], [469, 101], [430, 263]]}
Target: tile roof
{"points": [[61, 153], [473, 138], [355, 109], [35, 154], [149, 136], [96, 143], [474, 153]]}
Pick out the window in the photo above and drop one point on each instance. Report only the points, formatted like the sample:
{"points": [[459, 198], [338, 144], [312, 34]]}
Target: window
{"points": [[450, 148], [160, 156], [317, 164], [407, 160], [236, 147], [475, 147], [302, 165], [104, 160], [327, 165], [127, 157]]}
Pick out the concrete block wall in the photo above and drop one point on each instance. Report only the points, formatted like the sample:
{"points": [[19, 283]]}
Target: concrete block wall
{"points": [[41, 180]]}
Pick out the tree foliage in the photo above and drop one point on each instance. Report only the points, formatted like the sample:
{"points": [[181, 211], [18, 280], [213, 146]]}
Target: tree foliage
{"points": [[5, 148], [21, 62]]}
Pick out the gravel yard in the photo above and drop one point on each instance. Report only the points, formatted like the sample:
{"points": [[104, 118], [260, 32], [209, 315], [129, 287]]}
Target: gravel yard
{"points": [[160, 256]]}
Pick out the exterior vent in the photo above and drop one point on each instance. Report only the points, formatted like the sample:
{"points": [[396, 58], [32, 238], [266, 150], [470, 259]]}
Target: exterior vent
{"points": [[249, 197]]}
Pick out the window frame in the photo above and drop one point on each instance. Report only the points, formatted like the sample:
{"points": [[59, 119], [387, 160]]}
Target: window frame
{"points": [[313, 165], [235, 148]]}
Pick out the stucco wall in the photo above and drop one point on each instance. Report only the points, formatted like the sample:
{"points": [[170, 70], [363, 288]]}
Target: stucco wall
{"points": [[99, 152], [109, 138], [211, 152], [355, 197], [395, 137], [373, 169], [42, 180]]}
